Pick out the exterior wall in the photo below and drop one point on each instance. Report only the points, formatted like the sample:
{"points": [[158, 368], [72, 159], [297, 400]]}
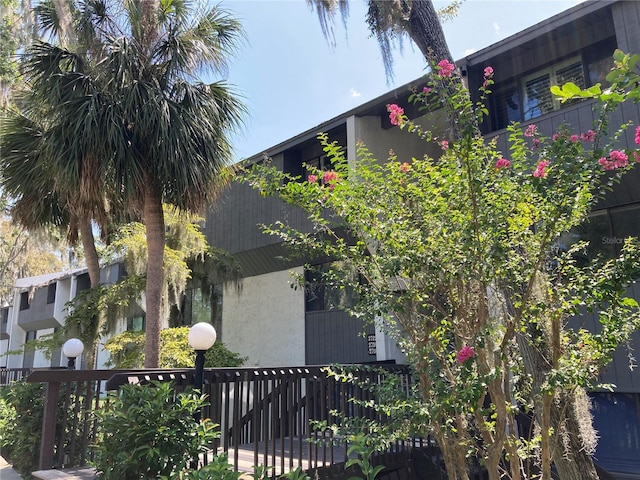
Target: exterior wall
{"points": [[263, 320], [405, 145], [626, 18], [333, 336], [43, 315]]}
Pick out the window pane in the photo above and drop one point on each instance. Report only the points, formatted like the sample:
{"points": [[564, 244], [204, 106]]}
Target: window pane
{"points": [[538, 100], [136, 324], [200, 307], [573, 73], [625, 224], [323, 293], [506, 106], [597, 231], [599, 70]]}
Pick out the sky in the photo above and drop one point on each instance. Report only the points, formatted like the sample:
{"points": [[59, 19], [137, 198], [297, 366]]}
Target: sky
{"points": [[291, 79]]}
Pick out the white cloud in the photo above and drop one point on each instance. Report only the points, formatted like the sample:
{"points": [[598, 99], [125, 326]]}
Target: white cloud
{"points": [[469, 51], [354, 93], [496, 27]]}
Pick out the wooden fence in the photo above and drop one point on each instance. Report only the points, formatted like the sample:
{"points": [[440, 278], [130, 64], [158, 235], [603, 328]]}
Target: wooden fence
{"points": [[8, 375], [264, 414]]}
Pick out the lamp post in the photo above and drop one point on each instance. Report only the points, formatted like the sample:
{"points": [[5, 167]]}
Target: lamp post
{"points": [[201, 338], [72, 349]]}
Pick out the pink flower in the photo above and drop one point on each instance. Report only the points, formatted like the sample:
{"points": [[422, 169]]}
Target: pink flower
{"points": [[444, 145], [488, 72], [535, 143], [530, 131], [638, 135], [619, 158], [405, 167], [330, 176], [503, 163], [426, 90], [555, 136], [446, 68], [312, 178], [636, 155], [465, 353], [606, 164], [395, 114], [574, 139], [588, 136], [541, 169]]}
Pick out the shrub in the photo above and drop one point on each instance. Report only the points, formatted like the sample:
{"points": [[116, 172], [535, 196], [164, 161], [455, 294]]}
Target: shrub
{"points": [[126, 350], [21, 410], [149, 431]]}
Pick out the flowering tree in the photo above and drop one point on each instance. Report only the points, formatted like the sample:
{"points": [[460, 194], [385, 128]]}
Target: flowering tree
{"points": [[461, 257]]}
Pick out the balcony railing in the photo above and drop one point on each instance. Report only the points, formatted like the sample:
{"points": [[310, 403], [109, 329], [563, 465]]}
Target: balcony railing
{"points": [[264, 413]]}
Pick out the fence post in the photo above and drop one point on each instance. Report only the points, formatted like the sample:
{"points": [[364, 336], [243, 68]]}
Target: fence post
{"points": [[47, 441]]}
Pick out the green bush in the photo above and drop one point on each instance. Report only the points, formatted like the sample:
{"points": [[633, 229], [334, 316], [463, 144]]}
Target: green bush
{"points": [[126, 350], [21, 410], [218, 469], [149, 431]]}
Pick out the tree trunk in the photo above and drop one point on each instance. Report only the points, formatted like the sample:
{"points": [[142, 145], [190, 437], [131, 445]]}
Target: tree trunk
{"points": [[93, 267], [154, 223], [425, 30], [571, 457], [568, 451], [90, 253], [66, 34]]}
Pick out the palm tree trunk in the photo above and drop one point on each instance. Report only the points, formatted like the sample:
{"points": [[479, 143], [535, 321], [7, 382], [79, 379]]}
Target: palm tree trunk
{"points": [[154, 223], [67, 35], [90, 252], [93, 267]]}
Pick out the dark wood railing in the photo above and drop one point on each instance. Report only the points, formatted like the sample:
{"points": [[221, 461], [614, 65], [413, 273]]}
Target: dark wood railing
{"points": [[264, 411], [8, 375]]}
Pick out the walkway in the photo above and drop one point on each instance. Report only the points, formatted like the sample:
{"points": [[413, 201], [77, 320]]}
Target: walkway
{"points": [[7, 472]]}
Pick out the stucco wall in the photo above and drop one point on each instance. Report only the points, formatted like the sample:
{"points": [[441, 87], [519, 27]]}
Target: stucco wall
{"points": [[379, 140], [264, 320]]}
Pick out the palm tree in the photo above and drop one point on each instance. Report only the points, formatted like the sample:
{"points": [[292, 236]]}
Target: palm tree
{"points": [[129, 114]]}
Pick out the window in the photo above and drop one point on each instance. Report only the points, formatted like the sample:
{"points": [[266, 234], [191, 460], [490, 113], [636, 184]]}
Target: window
{"points": [[51, 293], [4, 319], [24, 300], [599, 70], [136, 324], [507, 105], [524, 97], [29, 353], [321, 163], [324, 290], [605, 230], [616, 417], [537, 95]]}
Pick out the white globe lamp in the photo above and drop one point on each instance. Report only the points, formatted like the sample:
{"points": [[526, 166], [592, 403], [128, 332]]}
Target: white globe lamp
{"points": [[72, 349], [201, 337]]}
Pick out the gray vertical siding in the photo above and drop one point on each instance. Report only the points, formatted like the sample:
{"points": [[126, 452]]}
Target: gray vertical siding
{"points": [[332, 336], [626, 18]]}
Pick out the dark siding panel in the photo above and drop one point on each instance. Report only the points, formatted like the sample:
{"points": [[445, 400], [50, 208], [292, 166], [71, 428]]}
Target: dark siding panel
{"points": [[332, 336], [620, 372], [626, 17], [234, 223]]}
